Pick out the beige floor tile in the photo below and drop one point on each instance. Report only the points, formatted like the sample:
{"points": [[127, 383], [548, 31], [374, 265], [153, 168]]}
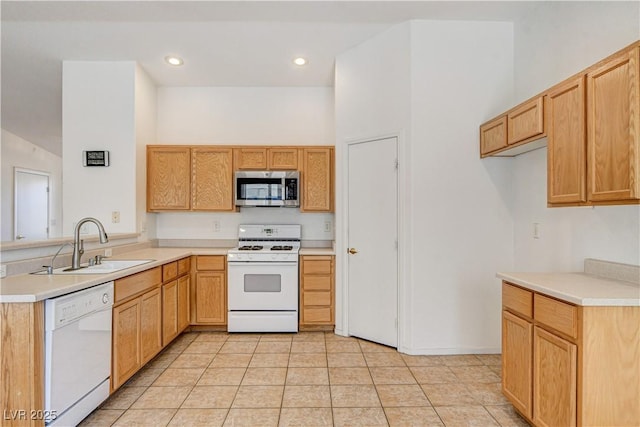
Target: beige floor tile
{"points": [[330, 336], [192, 360], [212, 336], [145, 418], [413, 417], [207, 347], [369, 417], [102, 418], [307, 376], [210, 397], [162, 398], [449, 394], [123, 398], [258, 396], [308, 336], [465, 416], [244, 337], [308, 347], [179, 377], [269, 360], [176, 347], [337, 346], [487, 393], [273, 347], [422, 360], [401, 395], [306, 396], [433, 374], [496, 369], [222, 376], [198, 418], [265, 376], [144, 378], [163, 360], [475, 374], [506, 416], [490, 359], [372, 347], [312, 417], [252, 417], [238, 346], [231, 360], [349, 376], [276, 337], [392, 375], [345, 360], [460, 360], [384, 359], [307, 360], [354, 396]]}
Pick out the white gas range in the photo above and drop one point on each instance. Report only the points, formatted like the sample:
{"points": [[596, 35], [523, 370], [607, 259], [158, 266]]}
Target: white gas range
{"points": [[263, 279]]}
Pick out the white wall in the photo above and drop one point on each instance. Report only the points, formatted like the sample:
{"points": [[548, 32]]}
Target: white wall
{"points": [[243, 115], [18, 152], [98, 113], [553, 42], [433, 83]]}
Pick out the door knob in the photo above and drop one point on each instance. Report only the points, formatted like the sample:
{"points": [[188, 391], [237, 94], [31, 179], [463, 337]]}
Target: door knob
{"points": [[352, 251]]}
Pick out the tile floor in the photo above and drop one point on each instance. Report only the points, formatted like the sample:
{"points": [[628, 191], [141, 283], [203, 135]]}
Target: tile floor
{"points": [[306, 379]]}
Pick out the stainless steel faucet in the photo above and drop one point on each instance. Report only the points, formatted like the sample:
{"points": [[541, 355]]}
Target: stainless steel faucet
{"points": [[78, 247]]}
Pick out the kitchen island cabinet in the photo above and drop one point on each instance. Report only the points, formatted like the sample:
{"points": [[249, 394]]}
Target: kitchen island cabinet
{"points": [[568, 364], [209, 291]]}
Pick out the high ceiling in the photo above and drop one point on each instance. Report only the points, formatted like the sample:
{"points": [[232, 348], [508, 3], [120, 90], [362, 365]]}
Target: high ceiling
{"points": [[223, 43]]}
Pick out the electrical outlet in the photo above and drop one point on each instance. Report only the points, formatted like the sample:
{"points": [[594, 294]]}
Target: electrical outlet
{"points": [[3, 271], [216, 226], [108, 252], [115, 217], [327, 226], [536, 230]]}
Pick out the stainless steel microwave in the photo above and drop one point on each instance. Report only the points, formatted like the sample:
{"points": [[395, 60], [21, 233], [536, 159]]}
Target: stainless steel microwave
{"points": [[267, 188]]}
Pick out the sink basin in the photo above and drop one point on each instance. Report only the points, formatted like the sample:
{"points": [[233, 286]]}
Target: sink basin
{"points": [[107, 266]]}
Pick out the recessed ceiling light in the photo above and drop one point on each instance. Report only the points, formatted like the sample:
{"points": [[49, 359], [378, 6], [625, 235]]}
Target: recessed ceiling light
{"points": [[300, 61], [174, 60]]}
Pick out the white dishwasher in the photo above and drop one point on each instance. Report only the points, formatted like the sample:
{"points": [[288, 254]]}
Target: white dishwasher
{"points": [[77, 354]]}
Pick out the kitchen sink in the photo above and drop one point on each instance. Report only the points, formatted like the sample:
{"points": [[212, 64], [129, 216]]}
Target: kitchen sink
{"points": [[107, 266]]}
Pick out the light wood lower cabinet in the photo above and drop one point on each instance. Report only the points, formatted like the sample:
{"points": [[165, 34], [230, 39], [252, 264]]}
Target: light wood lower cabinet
{"points": [[150, 325], [209, 300], [568, 365], [175, 299], [317, 292]]}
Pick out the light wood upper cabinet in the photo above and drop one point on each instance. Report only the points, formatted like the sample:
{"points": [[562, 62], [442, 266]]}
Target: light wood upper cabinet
{"points": [[282, 158], [212, 186], [613, 123], [168, 178], [254, 158], [566, 142], [525, 121], [317, 179], [493, 135]]}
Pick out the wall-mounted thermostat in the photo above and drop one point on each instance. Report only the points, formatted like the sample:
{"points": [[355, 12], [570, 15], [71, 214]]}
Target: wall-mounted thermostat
{"points": [[95, 158]]}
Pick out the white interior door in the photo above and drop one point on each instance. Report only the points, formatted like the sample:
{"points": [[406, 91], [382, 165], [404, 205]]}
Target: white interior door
{"points": [[31, 205], [373, 232]]}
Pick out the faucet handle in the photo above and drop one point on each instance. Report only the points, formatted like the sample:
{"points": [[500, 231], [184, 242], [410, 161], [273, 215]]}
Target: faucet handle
{"points": [[49, 268], [98, 259]]}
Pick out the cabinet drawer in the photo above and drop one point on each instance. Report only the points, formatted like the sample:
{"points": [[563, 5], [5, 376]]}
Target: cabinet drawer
{"points": [[517, 299], [317, 315], [493, 135], [210, 262], [136, 283], [184, 265], [169, 271], [316, 283], [556, 314], [316, 266], [316, 298]]}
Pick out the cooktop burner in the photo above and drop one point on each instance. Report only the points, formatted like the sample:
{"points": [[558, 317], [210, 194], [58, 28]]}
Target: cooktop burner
{"points": [[250, 248], [281, 248]]}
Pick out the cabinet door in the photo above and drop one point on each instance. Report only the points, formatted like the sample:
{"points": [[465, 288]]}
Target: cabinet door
{"points": [[169, 311], [493, 135], [212, 186], [516, 361], [566, 143], [525, 121], [316, 291], [150, 324], [168, 178], [250, 158], [211, 298], [554, 380], [613, 129], [282, 158], [126, 358], [184, 314], [317, 180]]}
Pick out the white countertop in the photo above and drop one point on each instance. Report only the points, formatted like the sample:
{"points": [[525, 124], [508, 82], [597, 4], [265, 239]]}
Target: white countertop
{"points": [[36, 287], [317, 251], [578, 288]]}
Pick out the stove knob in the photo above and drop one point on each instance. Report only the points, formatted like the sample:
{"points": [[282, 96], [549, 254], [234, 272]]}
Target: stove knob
{"points": [[250, 256], [274, 256]]}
